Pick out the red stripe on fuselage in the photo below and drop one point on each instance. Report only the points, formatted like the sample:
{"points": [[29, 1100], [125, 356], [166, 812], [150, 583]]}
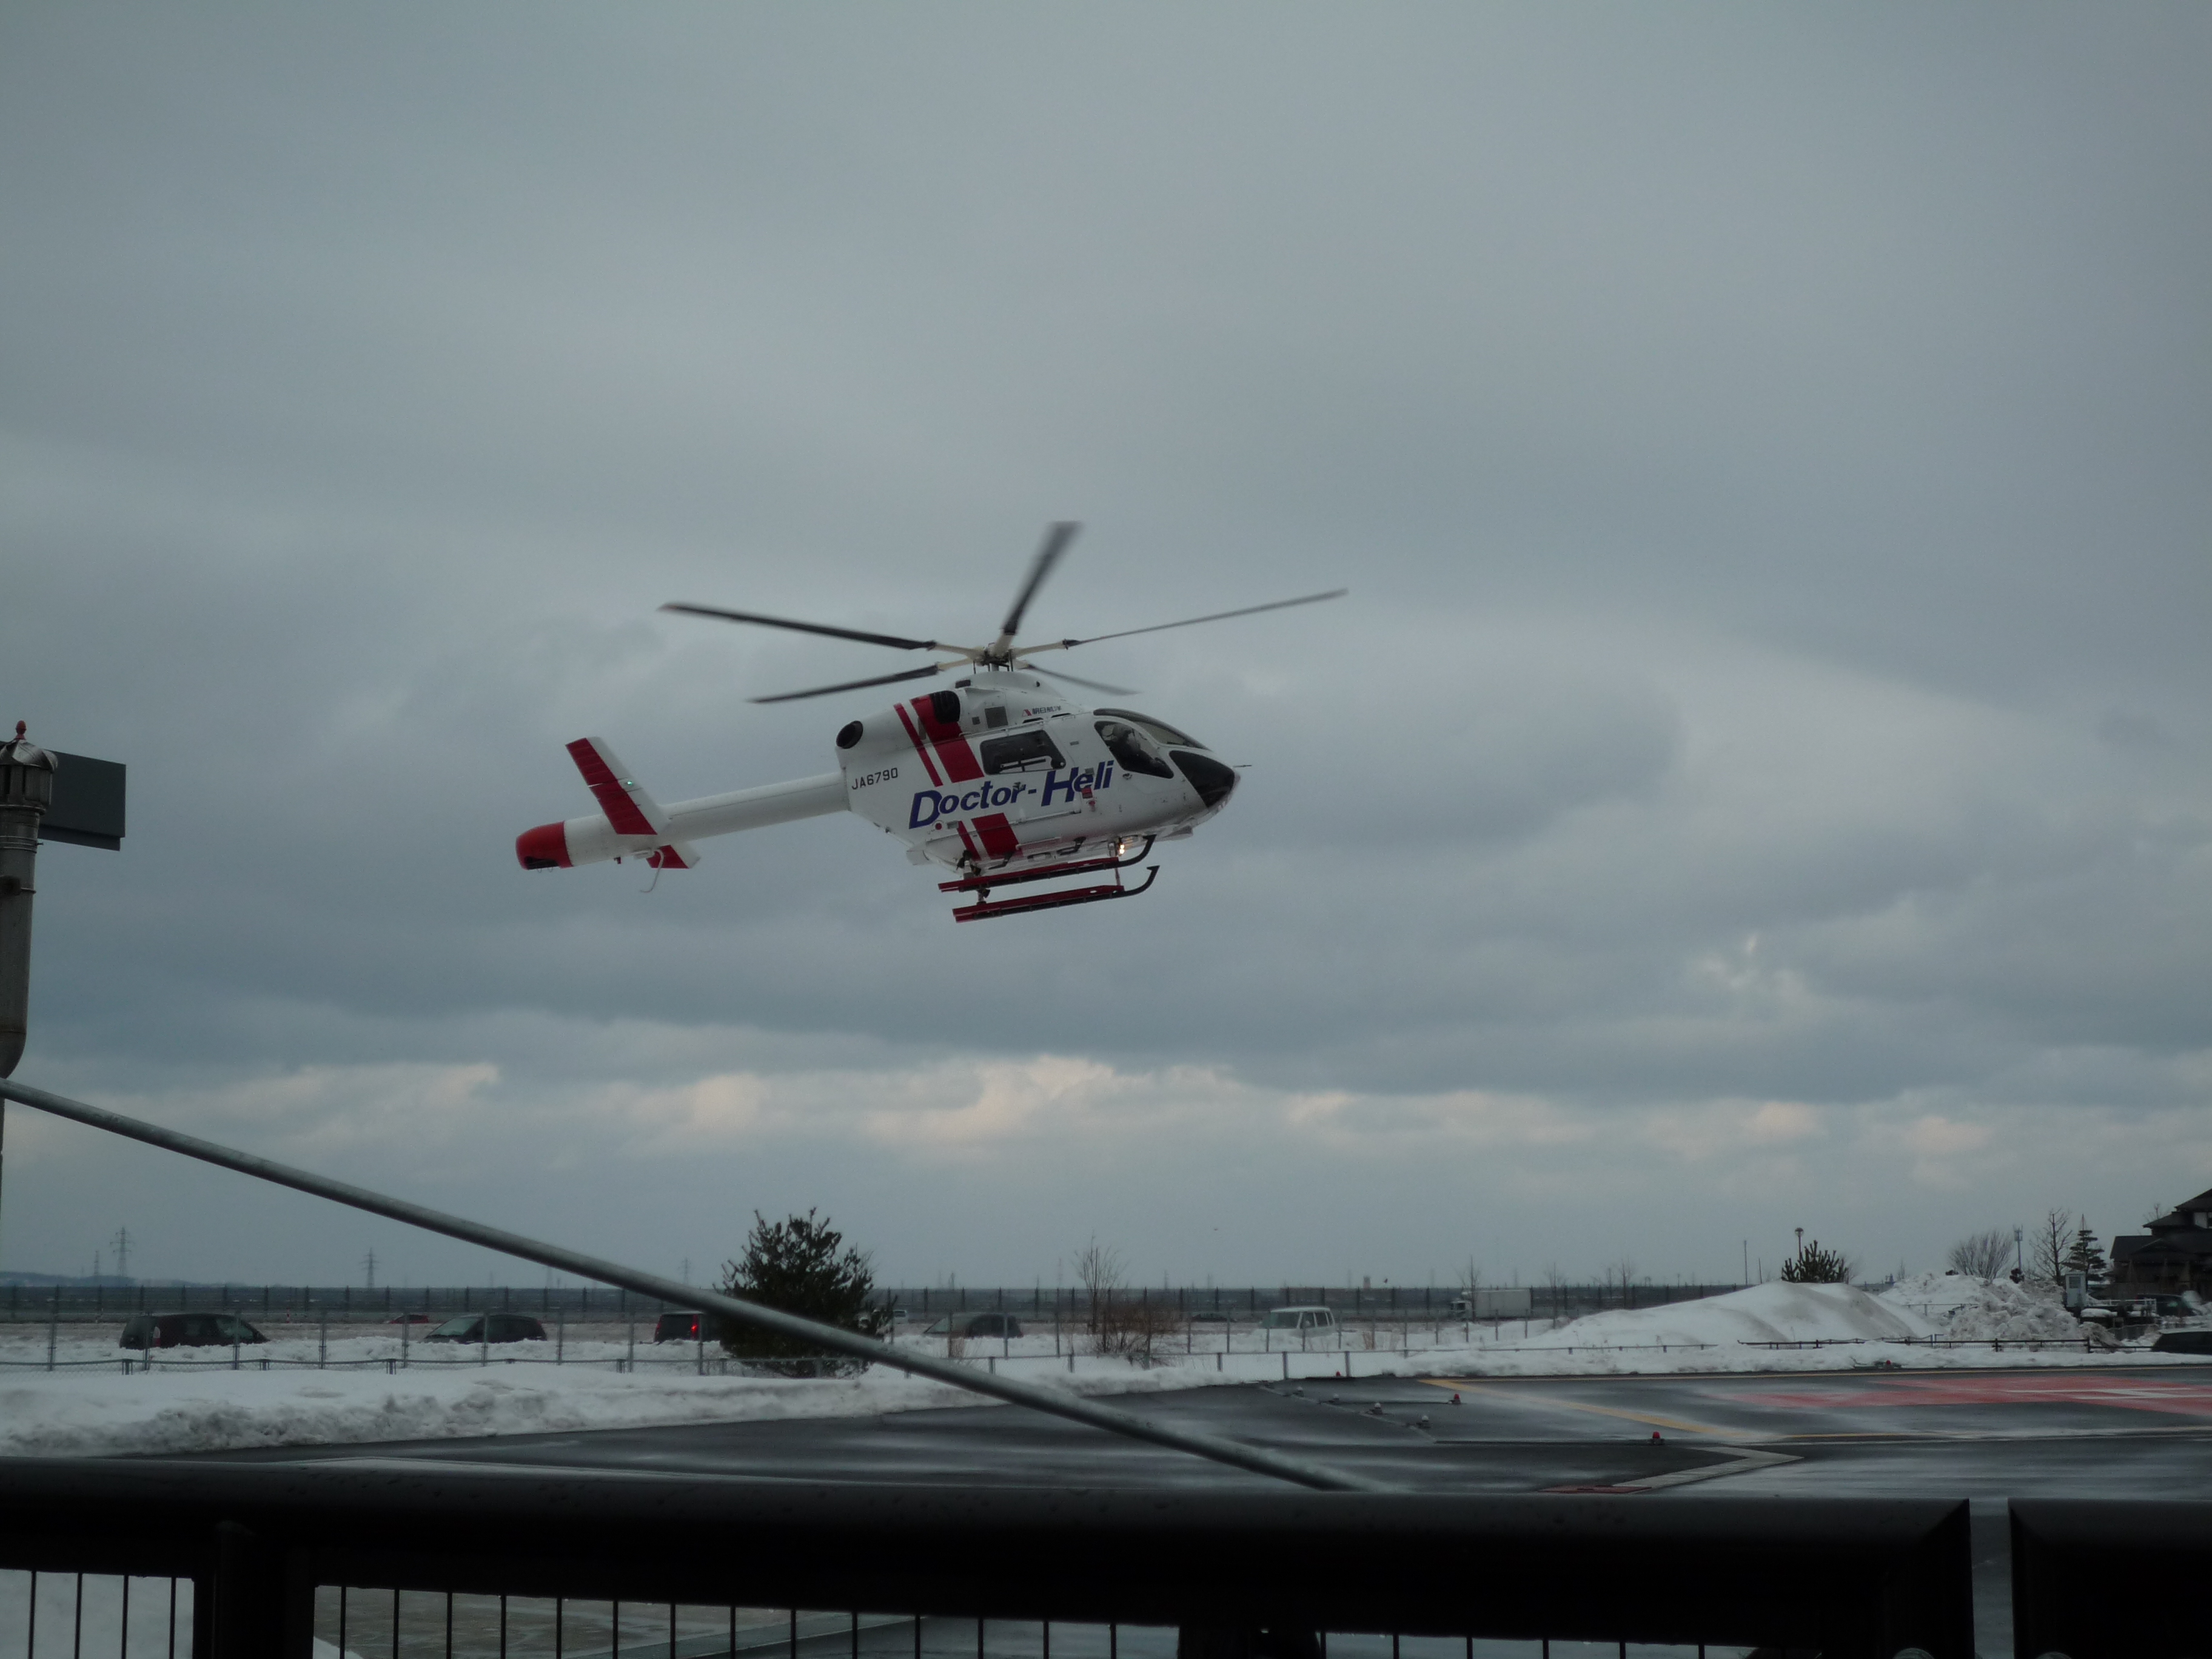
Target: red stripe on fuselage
{"points": [[914, 738], [607, 789], [997, 836], [952, 748], [966, 840]]}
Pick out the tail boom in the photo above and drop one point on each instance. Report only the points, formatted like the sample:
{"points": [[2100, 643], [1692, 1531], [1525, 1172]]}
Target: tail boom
{"points": [[595, 838]]}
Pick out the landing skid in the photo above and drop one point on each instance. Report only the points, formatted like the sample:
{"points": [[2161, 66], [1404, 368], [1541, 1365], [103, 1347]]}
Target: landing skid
{"points": [[983, 908]]}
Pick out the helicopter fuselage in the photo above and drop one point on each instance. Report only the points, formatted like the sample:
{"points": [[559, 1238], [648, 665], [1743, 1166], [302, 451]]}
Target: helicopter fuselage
{"points": [[998, 774], [1001, 771]]}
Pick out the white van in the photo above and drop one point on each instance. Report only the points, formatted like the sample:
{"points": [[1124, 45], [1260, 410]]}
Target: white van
{"points": [[1308, 1318]]}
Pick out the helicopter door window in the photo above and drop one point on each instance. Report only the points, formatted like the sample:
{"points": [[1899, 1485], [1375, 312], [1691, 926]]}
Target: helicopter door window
{"points": [[1020, 751], [1133, 750]]}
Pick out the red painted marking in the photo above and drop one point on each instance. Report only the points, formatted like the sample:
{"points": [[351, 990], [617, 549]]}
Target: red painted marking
{"points": [[966, 841], [544, 848], [2139, 1393], [607, 789], [960, 762], [997, 836], [914, 738]]}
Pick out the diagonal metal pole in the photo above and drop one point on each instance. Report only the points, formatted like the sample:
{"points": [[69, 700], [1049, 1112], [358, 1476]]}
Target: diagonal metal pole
{"points": [[1257, 1459]]}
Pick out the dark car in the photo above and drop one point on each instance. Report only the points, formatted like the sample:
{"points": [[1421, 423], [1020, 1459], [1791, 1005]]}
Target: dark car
{"points": [[505, 1328], [977, 1324], [679, 1327], [187, 1330], [409, 1319]]}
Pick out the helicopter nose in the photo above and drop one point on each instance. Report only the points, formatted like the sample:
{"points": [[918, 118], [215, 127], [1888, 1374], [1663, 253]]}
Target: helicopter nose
{"points": [[1212, 780]]}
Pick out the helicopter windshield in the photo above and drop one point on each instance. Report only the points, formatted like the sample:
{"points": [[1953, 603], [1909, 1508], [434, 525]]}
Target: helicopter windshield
{"points": [[1159, 730], [1133, 750]]}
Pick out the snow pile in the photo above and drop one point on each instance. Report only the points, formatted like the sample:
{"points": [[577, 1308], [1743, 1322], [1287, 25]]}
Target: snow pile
{"points": [[1759, 1313], [57, 1413], [1965, 1308]]}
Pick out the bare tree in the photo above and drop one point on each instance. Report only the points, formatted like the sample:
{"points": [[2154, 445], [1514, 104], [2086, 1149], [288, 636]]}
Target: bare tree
{"points": [[2046, 1254], [1098, 1270], [1623, 1273], [1554, 1282], [1983, 1255]]}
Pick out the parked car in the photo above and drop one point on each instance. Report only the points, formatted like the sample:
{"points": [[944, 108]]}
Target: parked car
{"points": [[977, 1324], [187, 1330], [505, 1328], [678, 1328], [409, 1319], [1302, 1318]]}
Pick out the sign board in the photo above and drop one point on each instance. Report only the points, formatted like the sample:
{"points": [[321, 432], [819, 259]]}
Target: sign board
{"points": [[2077, 1292], [88, 807]]}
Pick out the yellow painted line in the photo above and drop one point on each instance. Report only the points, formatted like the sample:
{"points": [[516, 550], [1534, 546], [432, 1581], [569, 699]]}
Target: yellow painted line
{"points": [[1460, 1385]]}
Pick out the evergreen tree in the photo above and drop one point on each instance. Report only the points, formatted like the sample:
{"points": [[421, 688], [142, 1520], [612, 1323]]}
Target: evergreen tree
{"points": [[801, 1265], [2084, 1257], [1813, 1266]]}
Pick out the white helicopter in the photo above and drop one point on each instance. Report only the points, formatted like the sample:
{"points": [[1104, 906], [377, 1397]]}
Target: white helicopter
{"points": [[999, 779]]}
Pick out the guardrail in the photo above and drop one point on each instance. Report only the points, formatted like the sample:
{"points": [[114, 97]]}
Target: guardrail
{"points": [[281, 1555]]}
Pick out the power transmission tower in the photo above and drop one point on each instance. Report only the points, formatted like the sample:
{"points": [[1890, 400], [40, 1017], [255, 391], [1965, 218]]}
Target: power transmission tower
{"points": [[368, 1267], [122, 1242]]}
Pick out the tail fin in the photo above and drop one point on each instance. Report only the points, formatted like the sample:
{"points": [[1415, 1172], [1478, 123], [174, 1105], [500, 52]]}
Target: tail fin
{"points": [[630, 815], [628, 807]]}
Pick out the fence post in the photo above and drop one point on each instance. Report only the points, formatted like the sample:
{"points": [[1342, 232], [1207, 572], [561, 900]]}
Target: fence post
{"points": [[323, 1343], [248, 1607], [53, 1326]]}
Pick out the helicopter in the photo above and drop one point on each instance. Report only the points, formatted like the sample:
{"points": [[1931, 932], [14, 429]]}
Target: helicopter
{"points": [[1000, 779]]}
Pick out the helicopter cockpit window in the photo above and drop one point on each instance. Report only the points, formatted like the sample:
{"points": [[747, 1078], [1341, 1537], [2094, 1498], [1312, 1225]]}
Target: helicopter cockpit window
{"points": [[1160, 731], [1020, 751], [1133, 750]]}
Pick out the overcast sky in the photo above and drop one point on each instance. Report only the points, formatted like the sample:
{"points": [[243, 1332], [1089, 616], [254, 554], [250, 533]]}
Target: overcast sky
{"points": [[1758, 779]]}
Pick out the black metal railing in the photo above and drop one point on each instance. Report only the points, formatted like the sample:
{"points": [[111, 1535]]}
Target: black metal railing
{"points": [[2102, 1579], [280, 1555]]}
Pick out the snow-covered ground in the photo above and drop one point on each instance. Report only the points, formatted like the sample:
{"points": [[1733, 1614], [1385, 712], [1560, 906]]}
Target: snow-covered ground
{"points": [[192, 1400]]}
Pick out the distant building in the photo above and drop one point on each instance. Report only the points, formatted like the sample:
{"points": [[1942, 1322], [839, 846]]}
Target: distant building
{"points": [[2175, 1255]]}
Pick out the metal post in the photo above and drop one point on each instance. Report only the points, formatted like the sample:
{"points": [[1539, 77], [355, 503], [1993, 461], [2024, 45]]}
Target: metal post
{"points": [[53, 1326], [561, 1347], [323, 1343], [26, 790]]}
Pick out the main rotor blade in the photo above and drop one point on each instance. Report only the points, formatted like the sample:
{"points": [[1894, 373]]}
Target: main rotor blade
{"points": [[1056, 543], [892, 640], [1095, 686], [1188, 621], [854, 685]]}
